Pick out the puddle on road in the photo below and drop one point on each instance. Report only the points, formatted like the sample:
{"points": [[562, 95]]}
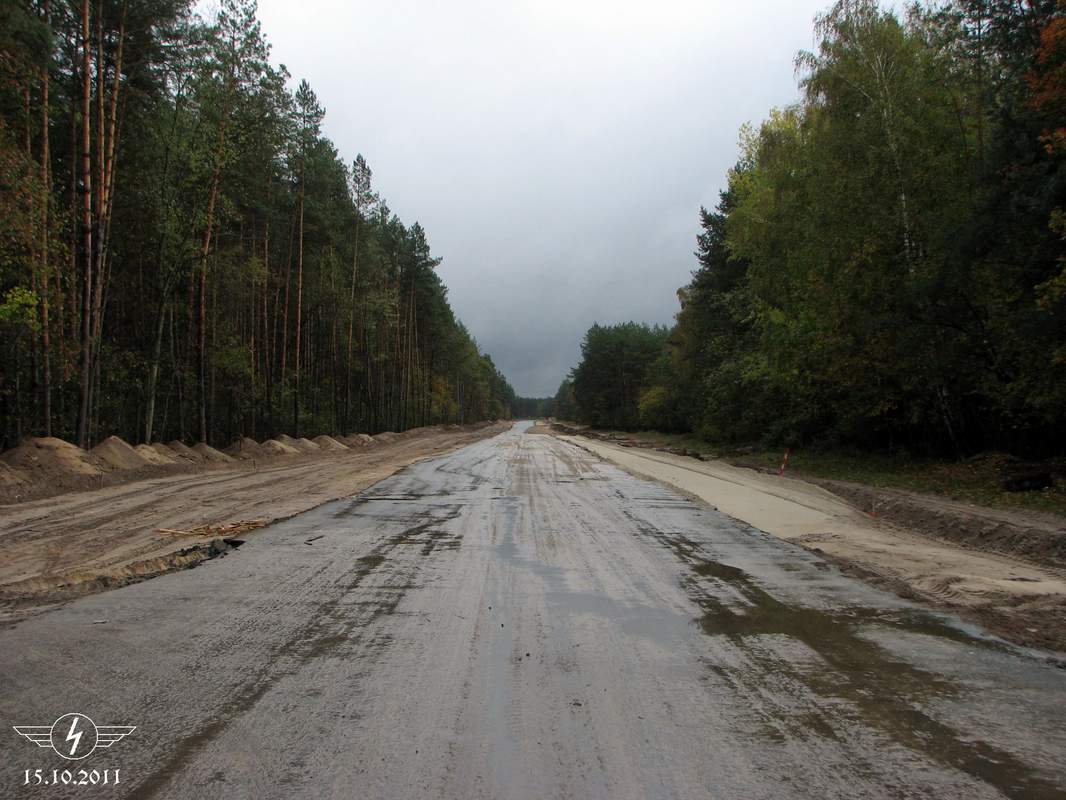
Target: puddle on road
{"points": [[887, 693], [660, 625]]}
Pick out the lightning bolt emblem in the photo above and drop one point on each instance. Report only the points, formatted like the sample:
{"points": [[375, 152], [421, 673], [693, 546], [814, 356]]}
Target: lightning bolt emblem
{"points": [[72, 736], [82, 730]]}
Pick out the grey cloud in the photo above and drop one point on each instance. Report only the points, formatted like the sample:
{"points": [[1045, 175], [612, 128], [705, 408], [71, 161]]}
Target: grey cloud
{"points": [[557, 153]]}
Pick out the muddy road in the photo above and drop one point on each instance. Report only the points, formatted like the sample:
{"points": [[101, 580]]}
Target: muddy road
{"points": [[519, 619]]}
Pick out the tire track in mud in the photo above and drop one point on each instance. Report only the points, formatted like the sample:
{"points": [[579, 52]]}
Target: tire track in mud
{"points": [[882, 693], [342, 623]]}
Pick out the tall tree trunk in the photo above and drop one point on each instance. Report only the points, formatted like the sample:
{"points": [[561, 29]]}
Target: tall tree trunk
{"points": [[201, 333], [87, 232], [104, 187], [285, 311], [46, 192], [351, 330], [153, 370], [205, 249], [299, 309]]}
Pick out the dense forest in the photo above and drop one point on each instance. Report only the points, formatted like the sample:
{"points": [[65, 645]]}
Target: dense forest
{"points": [[183, 254], [886, 265], [532, 407]]}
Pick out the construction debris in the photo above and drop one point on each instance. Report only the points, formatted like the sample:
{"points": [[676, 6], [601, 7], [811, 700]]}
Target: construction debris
{"points": [[217, 530]]}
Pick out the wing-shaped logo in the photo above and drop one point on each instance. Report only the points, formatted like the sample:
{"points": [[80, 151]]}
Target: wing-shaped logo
{"points": [[107, 735], [74, 736], [40, 735]]}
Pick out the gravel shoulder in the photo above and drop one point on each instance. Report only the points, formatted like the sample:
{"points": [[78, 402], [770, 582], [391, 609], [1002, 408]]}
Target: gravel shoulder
{"points": [[1019, 598]]}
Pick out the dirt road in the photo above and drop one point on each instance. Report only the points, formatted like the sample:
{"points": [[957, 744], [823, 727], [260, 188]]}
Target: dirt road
{"points": [[1020, 599], [519, 619], [75, 544]]}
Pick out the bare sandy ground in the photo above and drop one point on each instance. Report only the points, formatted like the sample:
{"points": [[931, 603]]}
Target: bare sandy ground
{"points": [[73, 544], [1024, 601]]}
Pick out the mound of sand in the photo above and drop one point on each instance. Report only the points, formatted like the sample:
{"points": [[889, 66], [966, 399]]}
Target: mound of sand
{"points": [[273, 447], [386, 437], [11, 478], [329, 443], [306, 445], [46, 457], [211, 454], [246, 449], [153, 456], [179, 449], [118, 454], [166, 452], [358, 440]]}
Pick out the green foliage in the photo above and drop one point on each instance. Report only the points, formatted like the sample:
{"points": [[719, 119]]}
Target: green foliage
{"points": [[18, 307], [885, 267], [616, 361], [533, 407], [565, 402], [224, 180]]}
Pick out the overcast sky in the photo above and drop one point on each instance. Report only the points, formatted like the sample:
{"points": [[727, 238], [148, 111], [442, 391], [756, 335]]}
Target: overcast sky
{"points": [[556, 151]]}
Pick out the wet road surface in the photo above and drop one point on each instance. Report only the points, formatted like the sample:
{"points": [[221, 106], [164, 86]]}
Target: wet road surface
{"points": [[521, 620]]}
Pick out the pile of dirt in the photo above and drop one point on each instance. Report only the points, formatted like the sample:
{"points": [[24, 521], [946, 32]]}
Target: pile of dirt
{"points": [[306, 445], [358, 440], [211, 454], [154, 457], [288, 441], [10, 479], [330, 444], [246, 449], [422, 431], [166, 452], [118, 454], [386, 437], [179, 449], [272, 447], [46, 458]]}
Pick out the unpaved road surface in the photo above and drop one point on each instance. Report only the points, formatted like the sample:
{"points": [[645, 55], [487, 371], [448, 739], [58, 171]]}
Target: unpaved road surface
{"points": [[1020, 599], [78, 543], [519, 619]]}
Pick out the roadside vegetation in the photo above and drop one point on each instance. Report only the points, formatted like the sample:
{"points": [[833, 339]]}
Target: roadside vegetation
{"points": [[885, 272], [183, 254]]}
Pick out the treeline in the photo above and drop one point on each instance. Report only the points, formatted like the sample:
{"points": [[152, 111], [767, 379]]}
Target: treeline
{"points": [[532, 407], [183, 254], [886, 267]]}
